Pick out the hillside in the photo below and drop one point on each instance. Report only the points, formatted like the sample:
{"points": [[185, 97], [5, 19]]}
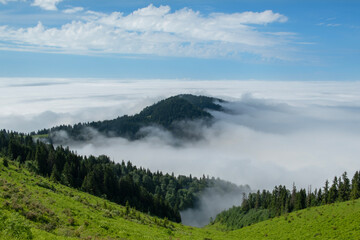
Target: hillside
{"points": [[163, 195], [333, 221], [165, 114], [32, 207], [260, 206]]}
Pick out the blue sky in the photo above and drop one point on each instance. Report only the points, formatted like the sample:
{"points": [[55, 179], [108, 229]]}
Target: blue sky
{"points": [[243, 39]]}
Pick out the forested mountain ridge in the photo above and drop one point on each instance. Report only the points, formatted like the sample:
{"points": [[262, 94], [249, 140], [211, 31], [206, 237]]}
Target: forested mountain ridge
{"points": [[165, 114]]}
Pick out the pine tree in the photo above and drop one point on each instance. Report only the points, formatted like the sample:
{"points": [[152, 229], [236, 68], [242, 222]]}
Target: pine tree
{"points": [[333, 192], [325, 198], [109, 183], [41, 158], [66, 175], [344, 188], [355, 186], [319, 197], [300, 199], [257, 200], [245, 203], [293, 198], [55, 174]]}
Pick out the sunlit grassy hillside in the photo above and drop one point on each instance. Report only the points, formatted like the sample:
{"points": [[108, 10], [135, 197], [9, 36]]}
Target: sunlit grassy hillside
{"points": [[32, 207], [334, 221]]}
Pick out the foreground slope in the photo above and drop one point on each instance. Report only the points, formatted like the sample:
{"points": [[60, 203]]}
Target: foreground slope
{"points": [[334, 221], [32, 207]]}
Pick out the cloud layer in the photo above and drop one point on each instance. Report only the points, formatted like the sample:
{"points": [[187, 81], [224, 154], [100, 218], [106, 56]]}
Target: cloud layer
{"points": [[277, 132], [155, 31]]}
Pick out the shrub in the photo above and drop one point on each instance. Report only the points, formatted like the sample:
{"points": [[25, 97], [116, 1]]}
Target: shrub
{"points": [[5, 162], [49, 226], [31, 216], [46, 185], [107, 214], [72, 221], [15, 227]]}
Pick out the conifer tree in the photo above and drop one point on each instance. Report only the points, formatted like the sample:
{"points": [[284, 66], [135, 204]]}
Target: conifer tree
{"points": [[344, 188], [66, 175], [325, 198], [355, 186], [333, 191], [55, 174], [41, 158]]}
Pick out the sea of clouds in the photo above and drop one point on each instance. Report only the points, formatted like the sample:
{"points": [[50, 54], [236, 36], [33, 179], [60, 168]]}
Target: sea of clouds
{"points": [[273, 133]]}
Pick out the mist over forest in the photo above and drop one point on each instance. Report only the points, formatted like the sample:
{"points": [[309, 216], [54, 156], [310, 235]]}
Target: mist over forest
{"points": [[271, 133], [279, 131]]}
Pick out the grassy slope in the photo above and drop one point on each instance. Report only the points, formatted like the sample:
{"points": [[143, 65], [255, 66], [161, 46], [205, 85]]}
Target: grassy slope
{"points": [[70, 214], [335, 221]]}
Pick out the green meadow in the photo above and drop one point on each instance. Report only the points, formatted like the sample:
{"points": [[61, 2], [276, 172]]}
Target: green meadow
{"points": [[32, 207]]}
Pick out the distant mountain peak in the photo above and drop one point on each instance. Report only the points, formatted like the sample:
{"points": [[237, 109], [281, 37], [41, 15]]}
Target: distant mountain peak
{"points": [[164, 114]]}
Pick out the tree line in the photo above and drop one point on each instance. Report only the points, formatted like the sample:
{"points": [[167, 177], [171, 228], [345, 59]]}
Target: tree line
{"points": [[263, 205], [159, 194]]}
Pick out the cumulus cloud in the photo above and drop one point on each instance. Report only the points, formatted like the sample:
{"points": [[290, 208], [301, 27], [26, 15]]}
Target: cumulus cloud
{"points": [[155, 31], [46, 4]]}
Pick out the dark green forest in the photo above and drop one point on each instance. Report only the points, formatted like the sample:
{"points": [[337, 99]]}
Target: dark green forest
{"points": [[263, 205], [165, 114], [162, 195], [159, 194]]}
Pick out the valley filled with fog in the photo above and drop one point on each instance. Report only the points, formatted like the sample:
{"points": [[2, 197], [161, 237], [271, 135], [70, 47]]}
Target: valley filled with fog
{"points": [[275, 133], [271, 132]]}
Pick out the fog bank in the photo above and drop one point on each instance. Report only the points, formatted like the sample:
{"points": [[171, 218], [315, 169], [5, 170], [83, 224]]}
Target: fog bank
{"points": [[211, 202], [276, 132]]}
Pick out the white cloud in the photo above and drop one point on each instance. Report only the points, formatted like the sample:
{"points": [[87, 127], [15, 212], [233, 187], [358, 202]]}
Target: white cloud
{"points": [[46, 4], [73, 10], [329, 24], [6, 1], [280, 133], [333, 25], [264, 17], [157, 31]]}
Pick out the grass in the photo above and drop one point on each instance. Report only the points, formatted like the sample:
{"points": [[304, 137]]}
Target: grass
{"points": [[335, 221], [32, 206]]}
